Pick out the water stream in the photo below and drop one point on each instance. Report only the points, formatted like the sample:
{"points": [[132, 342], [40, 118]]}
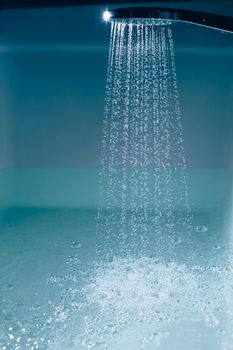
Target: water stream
{"points": [[143, 176]]}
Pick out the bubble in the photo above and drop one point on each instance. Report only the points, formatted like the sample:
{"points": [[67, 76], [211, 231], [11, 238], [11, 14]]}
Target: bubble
{"points": [[75, 245], [201, 229], [217, 247], [72, 259]]}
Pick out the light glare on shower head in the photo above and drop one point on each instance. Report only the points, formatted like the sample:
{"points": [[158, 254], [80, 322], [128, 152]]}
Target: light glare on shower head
{"points": [[107, 15]]}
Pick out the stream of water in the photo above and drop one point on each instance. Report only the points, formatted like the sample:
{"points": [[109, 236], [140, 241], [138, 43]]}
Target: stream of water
{"points": [[143, 176]]}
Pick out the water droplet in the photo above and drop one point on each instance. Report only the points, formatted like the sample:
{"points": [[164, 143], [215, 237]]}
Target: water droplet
{"points": [[217, 247], [201, 229], [72, 260], [75, 245]]}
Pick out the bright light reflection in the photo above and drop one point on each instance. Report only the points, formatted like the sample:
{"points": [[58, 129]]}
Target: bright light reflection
{"points": [[107, 16]]}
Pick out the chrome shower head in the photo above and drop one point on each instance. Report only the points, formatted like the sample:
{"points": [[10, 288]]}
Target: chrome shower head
{"points": [[224, 23]]}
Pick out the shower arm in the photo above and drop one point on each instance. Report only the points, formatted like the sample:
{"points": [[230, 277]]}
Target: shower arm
{"points": [[224, 23]]}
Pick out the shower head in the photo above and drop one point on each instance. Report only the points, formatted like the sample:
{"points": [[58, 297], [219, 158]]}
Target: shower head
{"points": [[224, 23]]}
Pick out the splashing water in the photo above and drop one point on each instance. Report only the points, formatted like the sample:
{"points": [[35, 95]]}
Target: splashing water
{"points": [[143, 177]]}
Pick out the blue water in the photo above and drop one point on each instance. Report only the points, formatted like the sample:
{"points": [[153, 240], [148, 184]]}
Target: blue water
{"points": [[57, 291]]}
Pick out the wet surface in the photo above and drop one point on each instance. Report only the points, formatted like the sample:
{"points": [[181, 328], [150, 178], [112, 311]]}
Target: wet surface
{"points": [[58, 293]]}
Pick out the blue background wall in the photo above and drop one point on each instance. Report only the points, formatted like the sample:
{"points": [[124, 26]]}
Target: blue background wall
{"points": [[52, 74]]}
